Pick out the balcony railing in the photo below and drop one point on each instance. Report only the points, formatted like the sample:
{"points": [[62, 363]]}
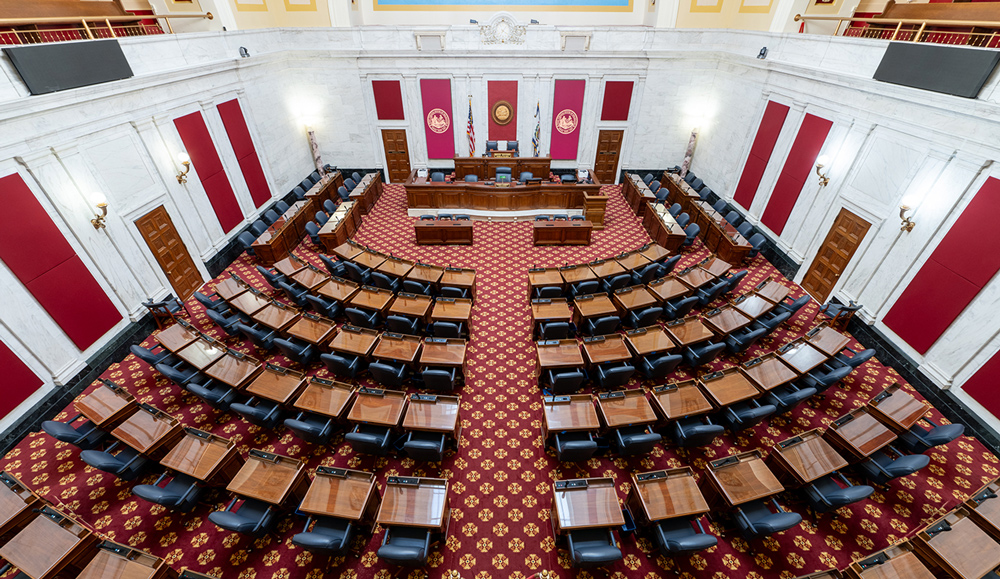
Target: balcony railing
{"points": [[14, 31], [957, 32]]}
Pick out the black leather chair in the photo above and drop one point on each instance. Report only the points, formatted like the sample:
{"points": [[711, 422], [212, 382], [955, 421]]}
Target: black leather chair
{"points": [[554, 330], [854, 360], [734, 280], [180, 494], [677, 536], [703, 353], [709, 294], [262, 337], [350, 184], [646, 317], [216, 394], [634, 440], [614, 375], [85, 436], [683, 219], [648, 178], [342, 364], [311, 428], [743, 415], [296, 350], [343, 193], [370, 439], [695, 431], [525, 175], [827, 494], [678, 308], [756, 243], [387, 373], [787, 397], [254, 518], [821, 380], [363, 318], [321, 218], [385, 282], [153, 358], [548, 292], [584, 288], [574, 446], [771, 322], [357, 274], [406, 546], [566, 381], [336, 268], [425, 446], [180, 374], [616, 282], [442, 379], [323, 306], [601, 326], [328, 536], [299, 193], [437, 177], [454, 292], [888, 464], [646, 274], [210, 304], [126, 464], [692, 233], [246, 239], [263, 413], [741, 340], [593, 548], [918, 439], [281, 207], [228, 324], [667, 265], [755, 519], [297, 295], [657, 366], [402, 325], [792, 307], [415, 287], [472, 178], [446, 329]]}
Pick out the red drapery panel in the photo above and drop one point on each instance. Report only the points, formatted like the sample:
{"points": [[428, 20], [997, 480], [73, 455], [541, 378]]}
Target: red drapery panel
{"points": [[617, 100], [436, 97], [962, 264], [388, 100], [246, 154], [204, 157], [503, 90], [19, 381], [799, 164], [760, 153]]}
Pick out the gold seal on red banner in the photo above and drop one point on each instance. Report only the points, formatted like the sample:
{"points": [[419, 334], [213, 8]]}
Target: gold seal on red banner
{"points": [[438, 121], [566, 121], [502, 112]]}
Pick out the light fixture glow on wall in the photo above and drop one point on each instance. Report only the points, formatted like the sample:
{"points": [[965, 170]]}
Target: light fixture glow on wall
{"points": [[908, 223], [820, 163], [186, 161], [98, 220]]}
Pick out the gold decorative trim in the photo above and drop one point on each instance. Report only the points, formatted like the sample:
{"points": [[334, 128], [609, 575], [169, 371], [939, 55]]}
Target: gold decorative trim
{"points": [[310, 7], [710, 8], [481, 7], [248, 7]]}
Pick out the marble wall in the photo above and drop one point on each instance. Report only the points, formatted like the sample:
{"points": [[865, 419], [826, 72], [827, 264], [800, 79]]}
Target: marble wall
{"points": [[889, 145]]}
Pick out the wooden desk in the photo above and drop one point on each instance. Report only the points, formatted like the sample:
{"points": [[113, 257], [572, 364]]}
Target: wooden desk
{"points": [[688, 331], [984, 508], [462, 278], [325, 397], [585, 504], [312, 329], [896, 408], [376, 406], [649, 340], [801, 356], [555, 354], [486, 167], [633, 298], [632, 260], [694, 277], [568, 413], [859, 433], [603, 268], [234, 369], [661, 226], [339, 228], [17, 503], [397, 347], [958, 545], [574, 274], [433, 413], [637, 194], [544, 277], [229, 288], [284, 234], [107, 405], [728, 386], [412, 305], [681, 400], [896, 562], [752, 305], [278, 384], [807, 457], [443, 232], [426, 273], [609, 348], [149, 431], [176, 337], [249, 303], [48, 544], [725, 320], [338, 289], [342, 493], [354, 340], [550, 310], [371, 298], [452, 310], [347, 250], [448, 352], [271, 478], [827, 340], [716, 267], [593, 306], [326, 188], [660, 495], [276, 316], [562, 232], [768, 372], [668, 288], [741, 478], [654, 251], [772, 291], [370, 259], [414, 502], [625, 408], [395, 266], [311, 277], [204, 456], [368, 191], [288, 267], [114, 561]]}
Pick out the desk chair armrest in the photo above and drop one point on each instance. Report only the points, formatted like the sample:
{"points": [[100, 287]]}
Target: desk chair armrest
{"points": [[879, 467], [75, 418], [735, 417], [134, 458], [895, 451], [843, 478], [231, 504], [701, 529], [777, 507], [263, 518], [743, 516], [188, 492], [5, 568], [309, 521], [929, 421], [112, 447], [821, 496], [160, 479], [273, 411]]}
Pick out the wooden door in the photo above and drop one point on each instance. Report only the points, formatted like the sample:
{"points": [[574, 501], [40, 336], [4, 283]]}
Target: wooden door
{"points": [[397, 156], [175, 261], [609, 145], [839, 246]]}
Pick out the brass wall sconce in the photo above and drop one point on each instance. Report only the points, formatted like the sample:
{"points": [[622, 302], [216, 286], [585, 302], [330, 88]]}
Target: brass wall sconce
{"points": [[908, 223], [820, 163], [186, 161], [98, 220]]}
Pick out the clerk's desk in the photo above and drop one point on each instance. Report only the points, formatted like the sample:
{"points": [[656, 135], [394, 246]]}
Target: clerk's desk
{"points": [[486, 167]]}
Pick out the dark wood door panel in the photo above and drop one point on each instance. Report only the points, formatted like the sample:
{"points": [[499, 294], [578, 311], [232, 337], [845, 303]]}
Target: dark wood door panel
{"points": [[397, 156], [831, 260], [609, 145], [170, 252]]}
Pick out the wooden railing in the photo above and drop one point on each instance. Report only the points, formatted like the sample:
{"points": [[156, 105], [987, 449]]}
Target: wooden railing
{"points": [[957, 32], [13, 31]]}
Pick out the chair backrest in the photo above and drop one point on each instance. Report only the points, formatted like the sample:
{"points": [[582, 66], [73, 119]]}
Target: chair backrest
{"points": [[566, 380], [331, 266], [350, 184], [683, 219], [707, 353], [437, 176], [745, 228], [453, 292], [548, 292], [382, 281], [654, 187], [606, 325], [312, 229], [246, 239], [340, 363], [675, 209], [757, 241], [668, 265], [648, 273], [270, 216], [447, 330], [503, 170], [568, 178], [772, 323], [692, 231], [618, 282], [690, 177], [648, 178], [491, 145], [329, 206], [586, 287], [299, 192], [512, 146], [704, 193], [385, 373], [734, 280], [359, 317], [720, 205], [321, 218], [281, 207], [525, 175], [356, 176], [554, 331], [258, 227], [471, 178], [289, 348], [343, 193], [438, 379], [733, 217], [415, 287], [697, 184], [684, 307], [401, 324], [661, 365], [648, 316]]}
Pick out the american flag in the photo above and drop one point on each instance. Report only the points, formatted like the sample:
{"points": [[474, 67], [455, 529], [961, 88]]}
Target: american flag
{"points": [[471, 131], [537, 137]]}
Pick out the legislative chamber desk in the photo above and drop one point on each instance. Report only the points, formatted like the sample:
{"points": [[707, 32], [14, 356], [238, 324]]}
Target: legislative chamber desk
{"points": [[768, 372], [443, 232], [637, 194], [434, 413], [665, 494], [562, 232], [48, 545], [16, 504], [115, 561], [377, 406], [956, 544], [446, 352], [806, 457], [569, 413], [149, 431], [681, 400], [204, 456], [271, 478], [344, 222], [545, 310], [729, 386], [678, 191], [718, 235], [284, 234], [604, 349], [662, 227], [415, 502], [859, 433], [555, 354], [897, 409], [649, 340], [896, 562], [108, 405], [367, 192], [326, 188], [277, 384], [740, 479], [325, 397], [625, 408], [343, 493], [585, 503], [486, 167]]}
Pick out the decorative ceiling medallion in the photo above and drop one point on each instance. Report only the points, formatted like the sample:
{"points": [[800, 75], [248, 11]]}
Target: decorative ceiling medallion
{"points": [[502, 113], [567, 121], [502, 29], [438, 121]]}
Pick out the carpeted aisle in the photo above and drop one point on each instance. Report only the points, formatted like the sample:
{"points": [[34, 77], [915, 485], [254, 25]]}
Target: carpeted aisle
{"points": [[501, 476]]}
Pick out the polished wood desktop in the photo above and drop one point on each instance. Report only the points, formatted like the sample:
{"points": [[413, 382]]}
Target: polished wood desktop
{"points": [[277, 384], [342, 493], [311, 278], [204, 456], [555, 354], [695, 277], [370, 259], [312, 329], [425, 273], [395, 267], [249, 302], [740, 479], [415, 502], [550, 310], [412, 306], [603, 349], [662, 227], [688, 331], [371, 298], [48, 545], [354, 340], [229, 288], [806, 457], [443, 232], [114, 561], [593, 306], [728, 386], [288, 267], [633, 298], [859, 433], [562, 232], [573, 274], [801, 356], [434, 413], [956, 544], [271, 478], [544, 277], [827, 340], [367, 191], [397, 347], [896, 408], [325, 397], [460, 277], [624, 408], [604, 268], [107, 405], [452, 310], [637, 194], [202, 353], [772, 291], [716, 266], [568, 413], [235, 369], [649, 340], [896, 562], [668, 288], [768, 372], [725, 320], [326, 188], [338, 289], [585, 504], [660, 495], [718, 235], [377, 406], [341, 226], [681, 400], [678, 191], [17, 504], [149, 431], [176, 337], [753, 305], [655, 251], [282, 236], [347, 250], [447, 352], [984, 508], [632, 260]]}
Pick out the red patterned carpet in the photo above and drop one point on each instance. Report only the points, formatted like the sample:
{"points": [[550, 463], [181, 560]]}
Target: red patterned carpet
{"points": [[501, 476]]}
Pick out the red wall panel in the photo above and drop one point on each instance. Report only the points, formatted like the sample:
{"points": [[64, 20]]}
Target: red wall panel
{"points": [[760, 153], [246, 154], [617, 100], [24, 219], [798, 166], [503, 90], [388, 100], [983, 385], [953, 275], [18, 383], [85, 313], [204, 157]]}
